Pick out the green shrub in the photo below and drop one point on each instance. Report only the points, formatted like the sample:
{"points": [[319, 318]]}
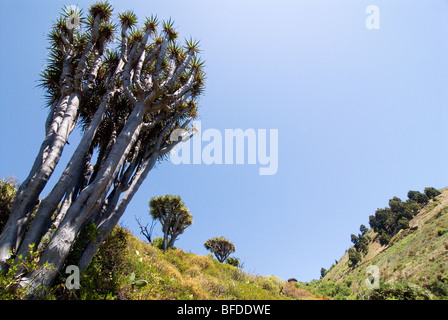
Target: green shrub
{"points": [[439, 288], [7, 193], [101, 279], [233, 261], [10, 288], [419, 197], [400, 291], [267, 284], [330, 289], [353, 257], [403, 223], [441, 231], [158, 243], [389, 221], [323, 272], [431, 192]]}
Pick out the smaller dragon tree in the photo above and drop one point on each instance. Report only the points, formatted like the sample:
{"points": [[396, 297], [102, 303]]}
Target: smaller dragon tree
{"points": [[220, 247]]}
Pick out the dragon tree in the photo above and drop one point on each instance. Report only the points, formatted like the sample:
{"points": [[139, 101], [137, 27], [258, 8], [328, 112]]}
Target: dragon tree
{"points": [[128, 87], [172, 214]]}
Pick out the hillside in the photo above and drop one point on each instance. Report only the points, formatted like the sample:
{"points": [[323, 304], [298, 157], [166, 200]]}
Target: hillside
{"points": [[126, 268], [123, 260], [413, 265]]}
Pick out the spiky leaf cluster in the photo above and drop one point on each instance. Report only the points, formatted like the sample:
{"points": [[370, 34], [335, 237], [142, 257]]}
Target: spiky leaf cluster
{"points": [[68, 46]]}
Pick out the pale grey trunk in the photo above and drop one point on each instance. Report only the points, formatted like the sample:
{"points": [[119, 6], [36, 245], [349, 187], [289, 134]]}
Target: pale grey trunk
{"points": [[112, 216], [72, 172], [166, 226], [43, 167], [88, 202]]}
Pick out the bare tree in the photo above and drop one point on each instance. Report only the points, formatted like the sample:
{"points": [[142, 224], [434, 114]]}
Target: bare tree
{"points": [[129, 96], [144, 229]]}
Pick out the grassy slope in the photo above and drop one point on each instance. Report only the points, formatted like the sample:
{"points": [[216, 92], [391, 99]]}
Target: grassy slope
{"points": [[418, 254], [187, 276]]}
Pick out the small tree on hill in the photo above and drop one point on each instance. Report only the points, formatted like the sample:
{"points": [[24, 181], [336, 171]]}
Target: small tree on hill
{"points": [[172, 215], [432, 192], [363, 229], [220, 247], [419, 197], [323, 272], [353, 257], [361, 242]]}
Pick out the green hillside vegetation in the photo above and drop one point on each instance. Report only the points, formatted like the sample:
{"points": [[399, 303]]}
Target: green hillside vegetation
{"points": [[126, 268], [407, 243], [173, 274], [411, 256]]}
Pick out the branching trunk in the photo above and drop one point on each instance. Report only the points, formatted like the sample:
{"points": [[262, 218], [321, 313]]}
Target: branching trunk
{"points": [[71, 173], [59, 124], [129, 101]]}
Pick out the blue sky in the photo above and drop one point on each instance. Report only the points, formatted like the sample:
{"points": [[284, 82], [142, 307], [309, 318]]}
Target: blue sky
{"points": [[361, 115]]}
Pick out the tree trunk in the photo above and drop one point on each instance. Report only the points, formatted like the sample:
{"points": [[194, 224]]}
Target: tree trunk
{"points": [[112, 217], [44, 165], [88, 202], [71, 173]]}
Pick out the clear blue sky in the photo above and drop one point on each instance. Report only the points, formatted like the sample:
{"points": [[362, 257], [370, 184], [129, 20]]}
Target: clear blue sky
{"points": [[362, 116]]}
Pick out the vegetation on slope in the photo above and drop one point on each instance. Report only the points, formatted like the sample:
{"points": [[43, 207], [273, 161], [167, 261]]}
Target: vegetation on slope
{"points": [[173, 274], [412, 264], [127, 268], [411, 258]]}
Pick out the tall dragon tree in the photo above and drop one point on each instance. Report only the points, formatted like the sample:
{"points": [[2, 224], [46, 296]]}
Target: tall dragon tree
{"points": [[129, 88]]}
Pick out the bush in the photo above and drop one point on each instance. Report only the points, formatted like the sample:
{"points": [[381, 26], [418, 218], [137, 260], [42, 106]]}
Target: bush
{"points": [[330, 289], [7, 193], [101, 279], [419, 197], [439, 288], [323, 272], [384, 238], [403, 223], [233, 261], [10, 288], [441, 231], [353, 257], [400, 291], [158, 243], [431, 192]]}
